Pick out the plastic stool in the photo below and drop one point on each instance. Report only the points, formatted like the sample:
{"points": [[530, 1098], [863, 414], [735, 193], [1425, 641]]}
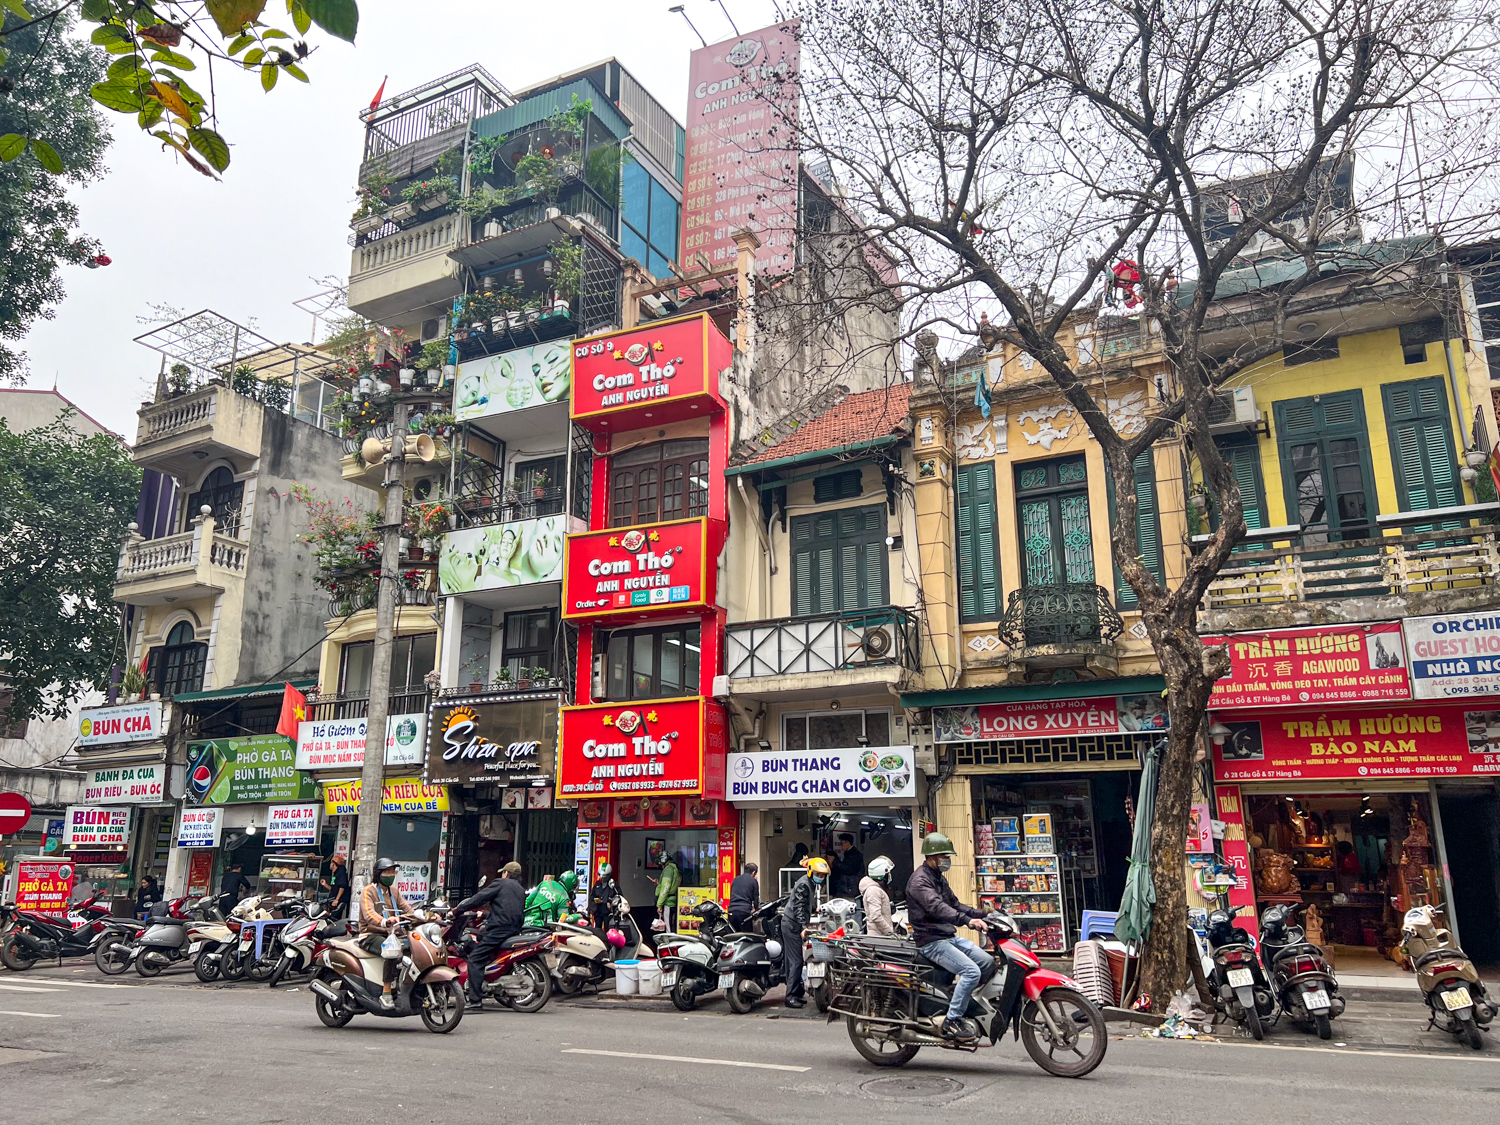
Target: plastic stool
{"points": [[1097, 923]]}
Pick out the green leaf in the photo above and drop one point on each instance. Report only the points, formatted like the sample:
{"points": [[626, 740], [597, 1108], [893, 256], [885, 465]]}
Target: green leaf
{"points": [[117, 96], [172, 58], [95, 11], [47, 156], [240, 44], [211, 147], [125, 66], [253, 57], [272, 33], [4, 54], [192, 95], [233, 15], [339, 18], [296, 72], [300, 19], [12, 145], [17, 7], [110, 33], [152, 114], [267, 77]]}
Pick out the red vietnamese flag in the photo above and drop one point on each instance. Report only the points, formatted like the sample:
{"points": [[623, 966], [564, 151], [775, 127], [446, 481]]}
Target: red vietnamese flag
{"points": [[293, 711], [380, 93]]}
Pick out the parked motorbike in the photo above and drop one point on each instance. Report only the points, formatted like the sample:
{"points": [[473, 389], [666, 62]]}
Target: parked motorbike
{"points": [[299, 942], [167, 938], [1301, 978], [350, 976], [582, 956], [31, 935], [1449, 982], [893, 1001], [687, 960], [749, 965], [1238, 981], [239, 960], [214, 938]]}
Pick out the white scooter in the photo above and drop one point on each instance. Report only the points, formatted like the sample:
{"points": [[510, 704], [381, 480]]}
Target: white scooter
{"points": [[686, 960], [580, 956]]}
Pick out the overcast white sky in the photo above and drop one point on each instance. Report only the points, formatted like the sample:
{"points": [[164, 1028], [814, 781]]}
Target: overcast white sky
{"points": [[249, 247]]}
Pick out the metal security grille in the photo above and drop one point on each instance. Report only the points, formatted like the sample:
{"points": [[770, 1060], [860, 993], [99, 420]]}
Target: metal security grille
{"points": [[1122, 750], [599, 297]]}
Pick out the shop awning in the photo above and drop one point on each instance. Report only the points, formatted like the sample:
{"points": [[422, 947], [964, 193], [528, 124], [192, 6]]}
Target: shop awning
{"points": [[247, 692], [1078, 689]]}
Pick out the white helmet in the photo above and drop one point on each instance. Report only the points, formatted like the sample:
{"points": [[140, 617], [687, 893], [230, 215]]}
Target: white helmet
{"points": [[881, 867]]}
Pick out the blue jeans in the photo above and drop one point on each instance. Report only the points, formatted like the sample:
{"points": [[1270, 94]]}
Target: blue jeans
{"points": [[966, 961]]}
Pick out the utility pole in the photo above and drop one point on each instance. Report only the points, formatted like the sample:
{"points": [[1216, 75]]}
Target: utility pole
{"points": [[372, 776]]}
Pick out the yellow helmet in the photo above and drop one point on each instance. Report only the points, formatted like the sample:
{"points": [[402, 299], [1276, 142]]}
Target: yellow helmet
{"points": [[816, 866]]}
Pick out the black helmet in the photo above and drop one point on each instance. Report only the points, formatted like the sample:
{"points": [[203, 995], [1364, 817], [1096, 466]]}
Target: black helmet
{"points": [[385, 863]]}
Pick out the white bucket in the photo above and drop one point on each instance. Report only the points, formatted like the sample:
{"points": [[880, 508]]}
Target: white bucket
{"points": [[650, 978], [627, 978]]}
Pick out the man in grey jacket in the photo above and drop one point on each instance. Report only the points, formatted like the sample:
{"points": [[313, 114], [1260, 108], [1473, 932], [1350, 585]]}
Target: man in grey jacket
{"points": [[935, 914]]}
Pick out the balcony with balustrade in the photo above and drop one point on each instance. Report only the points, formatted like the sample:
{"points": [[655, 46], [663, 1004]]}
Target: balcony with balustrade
{"points": [[178, 434], [199, 563], [395, 270], [1436, 561], [1067, 625], [809, 656]]}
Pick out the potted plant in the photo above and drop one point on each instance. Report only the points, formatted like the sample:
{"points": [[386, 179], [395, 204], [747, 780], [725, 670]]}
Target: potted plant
{"points": [[541, 677], [179, 379], [433, 358], [539, 482], [504, 681], [523, 682], [408, 377], [439, 424]]}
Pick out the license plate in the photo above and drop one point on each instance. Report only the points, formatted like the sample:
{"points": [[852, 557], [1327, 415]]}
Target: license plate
{"points": [[816, 972], [668, 978], [726, 980], [1241, 978], [1456, 999], [1316, 1000]]}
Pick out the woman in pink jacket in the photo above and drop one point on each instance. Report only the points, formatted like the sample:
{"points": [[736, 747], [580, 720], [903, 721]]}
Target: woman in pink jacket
{"points": [[876, 898]]}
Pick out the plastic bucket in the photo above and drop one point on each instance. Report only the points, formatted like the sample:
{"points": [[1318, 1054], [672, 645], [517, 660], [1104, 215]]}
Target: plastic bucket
{"points": [[650, 978], [627, 978]]}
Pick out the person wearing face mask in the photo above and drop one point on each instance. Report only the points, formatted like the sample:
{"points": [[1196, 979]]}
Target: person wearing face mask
{"points": [[847, 868], [794, 919], [935, 915], [381, 906]]}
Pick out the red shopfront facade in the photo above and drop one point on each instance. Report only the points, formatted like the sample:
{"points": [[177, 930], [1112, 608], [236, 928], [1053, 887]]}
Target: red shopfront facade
{"points": [[642, 753], [1332, 782]]}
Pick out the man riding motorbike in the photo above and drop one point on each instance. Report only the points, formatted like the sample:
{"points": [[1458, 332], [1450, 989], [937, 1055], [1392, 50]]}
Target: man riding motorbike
{"points": [[506, 899], [794, 919], [381, 906], [601, 894], [551, 899], [874, 895], [935, 913]]}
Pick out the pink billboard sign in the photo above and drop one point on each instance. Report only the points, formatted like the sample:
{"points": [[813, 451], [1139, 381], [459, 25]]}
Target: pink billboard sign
{"points": [[741, 149]]}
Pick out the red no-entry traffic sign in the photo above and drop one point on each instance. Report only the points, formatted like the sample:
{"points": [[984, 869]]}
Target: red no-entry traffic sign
{"points": [[15, 811]]}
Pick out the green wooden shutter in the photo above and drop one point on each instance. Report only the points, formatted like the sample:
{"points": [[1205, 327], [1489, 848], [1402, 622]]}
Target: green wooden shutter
{"points": [[839, 561], [1147, 527], [978, 566], [1416, 415], [837, 486]]}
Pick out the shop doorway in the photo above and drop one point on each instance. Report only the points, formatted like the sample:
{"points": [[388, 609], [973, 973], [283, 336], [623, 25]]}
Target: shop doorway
{"points": [[793, 834], [1474, 870], [547, 843], [643, 854]]}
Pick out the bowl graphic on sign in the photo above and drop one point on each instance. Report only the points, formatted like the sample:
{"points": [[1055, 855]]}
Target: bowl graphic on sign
{"points": [[86, 727], [633, 540], [743, 52], [637, 353], [627, 721]]}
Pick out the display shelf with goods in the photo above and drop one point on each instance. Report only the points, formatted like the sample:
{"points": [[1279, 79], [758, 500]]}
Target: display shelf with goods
{"points": [[290, 871], [1030, 889], [1071, 806]]}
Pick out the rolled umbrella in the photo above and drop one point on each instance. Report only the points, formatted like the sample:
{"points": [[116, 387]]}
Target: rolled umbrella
{"points": [[1133, 925]]}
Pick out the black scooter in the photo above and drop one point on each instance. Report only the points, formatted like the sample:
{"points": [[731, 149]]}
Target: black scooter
{"points": [[749, 965], [1238, 980], [1301, 978]]}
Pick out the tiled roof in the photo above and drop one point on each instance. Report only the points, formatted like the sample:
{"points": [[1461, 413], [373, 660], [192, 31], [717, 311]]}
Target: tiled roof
{"points": [[852, 420]]}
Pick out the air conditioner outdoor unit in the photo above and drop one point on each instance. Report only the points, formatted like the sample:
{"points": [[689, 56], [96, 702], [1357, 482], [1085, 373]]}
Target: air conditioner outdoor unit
{"points": [[1233, 409]]}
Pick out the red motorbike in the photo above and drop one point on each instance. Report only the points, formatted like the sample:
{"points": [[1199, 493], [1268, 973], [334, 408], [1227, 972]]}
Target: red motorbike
{"points": [[30, 936], [517, 977], [894, 1001]]}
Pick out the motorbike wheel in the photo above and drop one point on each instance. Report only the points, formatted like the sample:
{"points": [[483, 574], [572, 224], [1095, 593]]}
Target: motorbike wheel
{"points": [[878, 1050], [541, 987], [14, 958], [280, 971], [566, 985], [684, 999], [1252, 1021], [112, 957], [1468, 1032], [231, 968], [260, 969], [740, 1001], [207, 971], [1085, 1036], [1324, 1026], [147, 964], [331, 1013], [443, 1007], [821, 996]]}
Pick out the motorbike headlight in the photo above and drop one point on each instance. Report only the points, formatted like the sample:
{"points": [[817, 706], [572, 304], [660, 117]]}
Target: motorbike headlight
{"points": [[431, 932]]}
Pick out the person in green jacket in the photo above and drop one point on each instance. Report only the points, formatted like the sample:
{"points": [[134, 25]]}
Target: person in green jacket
{"points": [[666, 891], [550, 900]]}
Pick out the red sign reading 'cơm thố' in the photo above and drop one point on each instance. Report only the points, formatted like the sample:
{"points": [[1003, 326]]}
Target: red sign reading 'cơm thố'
{"points": [[658, 373], [631, 570]]}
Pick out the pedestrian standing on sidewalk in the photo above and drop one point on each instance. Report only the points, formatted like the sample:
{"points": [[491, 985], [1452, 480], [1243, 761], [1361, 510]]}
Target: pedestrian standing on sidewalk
{"points": [[744, 898], [232, 889], [794, 919], [338, 884], [666, 890]]}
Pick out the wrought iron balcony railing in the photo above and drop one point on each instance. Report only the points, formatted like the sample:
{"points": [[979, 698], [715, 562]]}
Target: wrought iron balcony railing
{"points": [[356, 705], [1069, 614], [789, 646]]}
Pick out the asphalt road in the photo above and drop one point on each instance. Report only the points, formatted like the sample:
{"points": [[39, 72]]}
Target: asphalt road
{"points": [[78, 1046]]}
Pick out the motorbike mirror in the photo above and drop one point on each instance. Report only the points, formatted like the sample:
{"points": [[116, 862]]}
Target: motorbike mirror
{"points": [[483, 879]]}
